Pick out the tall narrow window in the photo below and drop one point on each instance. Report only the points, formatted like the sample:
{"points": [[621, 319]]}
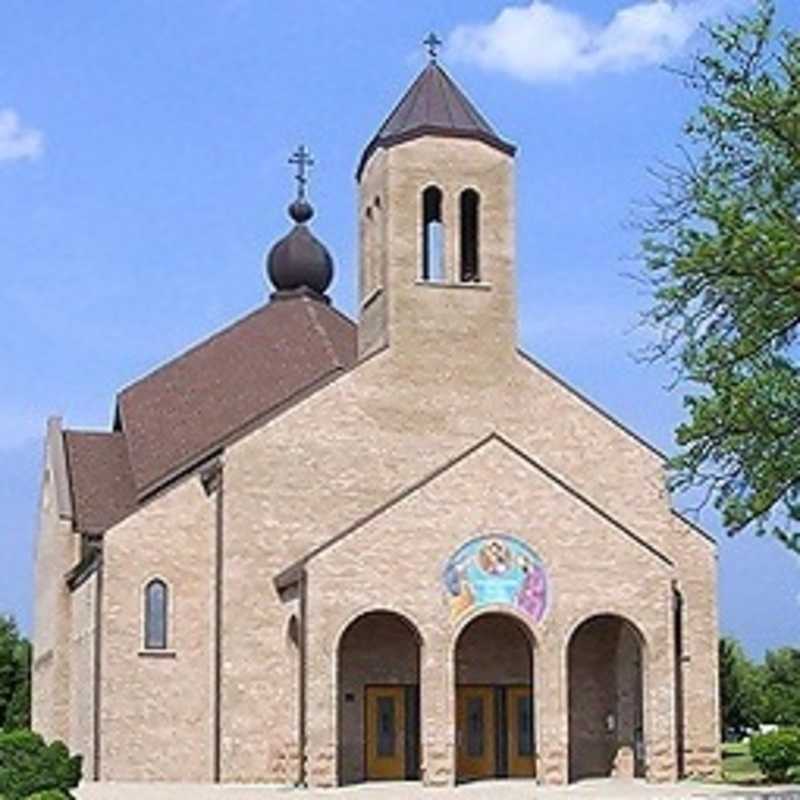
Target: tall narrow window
{"points": [[432, 235], [155, 615], [470, 207]]}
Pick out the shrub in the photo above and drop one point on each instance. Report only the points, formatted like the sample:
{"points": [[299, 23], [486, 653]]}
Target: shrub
{"points": [[28, 765], [776, 753], [49, 794]]}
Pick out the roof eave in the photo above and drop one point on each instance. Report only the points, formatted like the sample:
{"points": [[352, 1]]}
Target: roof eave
{"points": [[385, 142]]}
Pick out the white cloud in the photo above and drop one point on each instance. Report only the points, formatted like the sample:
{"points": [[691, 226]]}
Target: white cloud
{"points": [[17, 142], [541, 42]]}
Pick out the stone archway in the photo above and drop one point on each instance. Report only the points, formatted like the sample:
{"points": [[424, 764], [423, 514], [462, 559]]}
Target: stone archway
{"points": [[495, 709], [378, 721], [605, 662]]}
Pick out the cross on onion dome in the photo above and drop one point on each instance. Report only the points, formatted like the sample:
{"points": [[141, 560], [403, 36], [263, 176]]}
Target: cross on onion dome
{"points": [[302, 158]]}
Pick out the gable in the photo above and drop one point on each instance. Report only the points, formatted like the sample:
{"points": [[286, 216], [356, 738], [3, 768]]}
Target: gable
{"points": [[557, 484]]}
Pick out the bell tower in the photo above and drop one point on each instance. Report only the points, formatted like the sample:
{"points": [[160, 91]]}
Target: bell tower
{"points": [[436, 228]]}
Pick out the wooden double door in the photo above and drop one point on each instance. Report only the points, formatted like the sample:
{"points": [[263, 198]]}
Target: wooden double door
{"points": [[495, 732], [392, 732]]}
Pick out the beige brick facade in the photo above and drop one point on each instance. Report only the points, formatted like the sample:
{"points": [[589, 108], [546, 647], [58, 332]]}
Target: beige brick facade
{"points": [[443, 432], [56, 551]]}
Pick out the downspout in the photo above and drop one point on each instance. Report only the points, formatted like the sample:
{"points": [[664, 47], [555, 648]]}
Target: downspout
{"points": [[301, 682], [217, 483], [211, 478], [680, 733], [98, 641]]}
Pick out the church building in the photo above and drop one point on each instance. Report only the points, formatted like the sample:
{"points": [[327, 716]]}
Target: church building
{"points": [[315, 550]]}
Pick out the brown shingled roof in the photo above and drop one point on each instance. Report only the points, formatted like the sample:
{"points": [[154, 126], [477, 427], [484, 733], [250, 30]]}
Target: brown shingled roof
{"points": [[183, 410], [177, 415], [100, 479]]}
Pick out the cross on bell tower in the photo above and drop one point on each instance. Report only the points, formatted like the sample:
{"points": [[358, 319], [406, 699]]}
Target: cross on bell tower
{"points": [[433, 43]]}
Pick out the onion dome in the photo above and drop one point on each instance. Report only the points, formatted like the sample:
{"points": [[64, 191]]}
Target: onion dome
{"points": [[299, 260]]}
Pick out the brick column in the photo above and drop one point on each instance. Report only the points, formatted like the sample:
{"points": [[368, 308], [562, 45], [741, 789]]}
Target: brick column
{"points": [[551, 707], [659, 704], [320, 709], [437, 708]]}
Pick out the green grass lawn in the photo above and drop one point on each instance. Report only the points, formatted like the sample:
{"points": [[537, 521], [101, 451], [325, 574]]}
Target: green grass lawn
{"points": [[738, 766]]}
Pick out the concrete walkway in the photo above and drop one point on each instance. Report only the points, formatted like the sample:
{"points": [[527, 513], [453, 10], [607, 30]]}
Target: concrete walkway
{"points": [[494, 790]]}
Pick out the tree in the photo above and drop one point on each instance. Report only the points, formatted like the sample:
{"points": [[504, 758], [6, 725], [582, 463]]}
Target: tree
{"points": [[15, 682], [721, 255], [18, 713], [9, 637], [29, 766], [740, 688], [781, 702]]}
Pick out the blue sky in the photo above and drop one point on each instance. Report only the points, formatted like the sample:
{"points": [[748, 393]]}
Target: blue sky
{"points": [[143, 175]]}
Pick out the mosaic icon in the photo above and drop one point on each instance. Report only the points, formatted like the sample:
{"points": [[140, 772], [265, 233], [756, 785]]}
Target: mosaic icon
{"points": [[492, 570]]}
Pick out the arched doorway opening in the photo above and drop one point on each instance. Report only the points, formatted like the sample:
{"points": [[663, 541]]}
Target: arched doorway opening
{"points": [[378, 699], [606, 710], [495, 711]]}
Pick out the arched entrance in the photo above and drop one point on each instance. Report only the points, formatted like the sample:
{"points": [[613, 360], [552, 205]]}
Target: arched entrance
{"points": [[378, 699], [606, 714], [495, 728]]}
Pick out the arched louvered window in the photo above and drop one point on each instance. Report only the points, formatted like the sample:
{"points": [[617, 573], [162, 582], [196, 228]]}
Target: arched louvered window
{"points": [[432, 235], [156, 602], [470, 202]]}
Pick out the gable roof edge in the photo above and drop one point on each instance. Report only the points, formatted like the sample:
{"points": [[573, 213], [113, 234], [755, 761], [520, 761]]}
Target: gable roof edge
{"points": [[593, 405], [189, 466], [247, 427], [289, 576], [58, 464], [693, 526]]}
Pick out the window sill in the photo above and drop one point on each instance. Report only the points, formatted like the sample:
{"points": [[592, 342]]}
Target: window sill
{"points": [[454, 285], [157, 654]]}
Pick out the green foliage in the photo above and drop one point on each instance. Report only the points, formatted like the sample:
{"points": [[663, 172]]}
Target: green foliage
{"points": [[776, 753], [49, 794], [781, 678], [18, 712], [721, 253], [29, 765], [15, 677], [741, 685], [9, 636], [751, 694]]}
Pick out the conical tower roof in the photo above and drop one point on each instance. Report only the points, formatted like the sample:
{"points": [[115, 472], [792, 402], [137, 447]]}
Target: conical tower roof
{"points": [[434, 106]]}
